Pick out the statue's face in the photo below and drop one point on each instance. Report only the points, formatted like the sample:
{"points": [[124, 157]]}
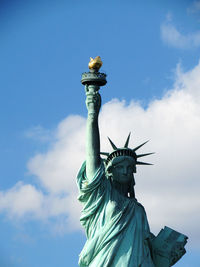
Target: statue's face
{"points": [[122, 171]]}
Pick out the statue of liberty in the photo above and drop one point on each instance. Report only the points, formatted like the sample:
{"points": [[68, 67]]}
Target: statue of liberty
{"points": [[116, 225]]}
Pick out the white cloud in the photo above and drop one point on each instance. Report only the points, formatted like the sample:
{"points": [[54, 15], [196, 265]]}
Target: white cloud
{"points": [[25, 201], [173, 37], [169, 190], [58, 167]]}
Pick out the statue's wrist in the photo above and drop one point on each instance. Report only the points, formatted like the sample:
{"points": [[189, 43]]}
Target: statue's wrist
{"points": [[93, 114]]}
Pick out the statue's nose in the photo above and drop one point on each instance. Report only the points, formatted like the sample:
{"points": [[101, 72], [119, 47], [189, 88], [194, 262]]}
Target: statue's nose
{"points": [[124, 170]]}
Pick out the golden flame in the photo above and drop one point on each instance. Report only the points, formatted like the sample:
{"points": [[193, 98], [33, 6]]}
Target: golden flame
{"points": [[95, 63]]}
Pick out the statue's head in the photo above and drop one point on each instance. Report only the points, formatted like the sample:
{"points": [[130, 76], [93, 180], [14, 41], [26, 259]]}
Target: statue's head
{"points": [[121, 169], [121, 163]]}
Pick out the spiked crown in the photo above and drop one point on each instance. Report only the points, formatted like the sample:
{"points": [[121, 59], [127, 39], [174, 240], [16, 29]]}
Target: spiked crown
{"points": [[125, 151]]}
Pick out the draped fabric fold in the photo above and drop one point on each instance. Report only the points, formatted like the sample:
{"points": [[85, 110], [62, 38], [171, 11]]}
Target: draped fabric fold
{"points": [[116, 226]]}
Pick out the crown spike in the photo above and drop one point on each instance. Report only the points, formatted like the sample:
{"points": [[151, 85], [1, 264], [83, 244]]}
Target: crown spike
{"points": [[146, 154], [136, 148], [127, 140], [112, 144], [142, 163]]}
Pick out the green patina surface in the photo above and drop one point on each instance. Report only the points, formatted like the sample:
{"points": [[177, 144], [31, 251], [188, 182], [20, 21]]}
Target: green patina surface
{"points": [[116, 225]]}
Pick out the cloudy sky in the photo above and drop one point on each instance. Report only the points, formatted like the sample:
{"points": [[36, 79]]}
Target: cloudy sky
{"points": [[151, 54]]}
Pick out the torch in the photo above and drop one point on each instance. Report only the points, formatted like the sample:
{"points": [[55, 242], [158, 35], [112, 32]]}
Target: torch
{"points": [[93, 79]]}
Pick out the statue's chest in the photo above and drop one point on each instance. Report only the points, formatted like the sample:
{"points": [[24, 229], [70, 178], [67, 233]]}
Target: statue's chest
{"points": [[116, 204]]}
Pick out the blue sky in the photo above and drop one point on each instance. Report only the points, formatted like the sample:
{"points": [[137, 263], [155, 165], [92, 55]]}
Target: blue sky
{"points": [[150, 52]]}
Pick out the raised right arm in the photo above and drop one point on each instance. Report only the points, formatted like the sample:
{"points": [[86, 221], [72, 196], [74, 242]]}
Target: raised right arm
{"points": [[93, 103]]}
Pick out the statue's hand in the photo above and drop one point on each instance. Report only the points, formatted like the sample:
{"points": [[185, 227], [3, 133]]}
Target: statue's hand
{"points": [[93, 102]]}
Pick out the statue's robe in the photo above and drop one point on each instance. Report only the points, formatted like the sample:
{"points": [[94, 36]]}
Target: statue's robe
{"points": [[116, 226]]}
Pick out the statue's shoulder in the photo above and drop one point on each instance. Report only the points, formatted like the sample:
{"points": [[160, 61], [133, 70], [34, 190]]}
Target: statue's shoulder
{"points": [[140, 206], [138, 203]]}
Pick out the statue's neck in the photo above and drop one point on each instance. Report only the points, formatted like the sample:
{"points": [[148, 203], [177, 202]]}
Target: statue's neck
{"points": [[122, 189]]}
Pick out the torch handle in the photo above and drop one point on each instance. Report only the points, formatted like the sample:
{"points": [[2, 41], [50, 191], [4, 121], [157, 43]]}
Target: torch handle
{"points": [[93, 101]]}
